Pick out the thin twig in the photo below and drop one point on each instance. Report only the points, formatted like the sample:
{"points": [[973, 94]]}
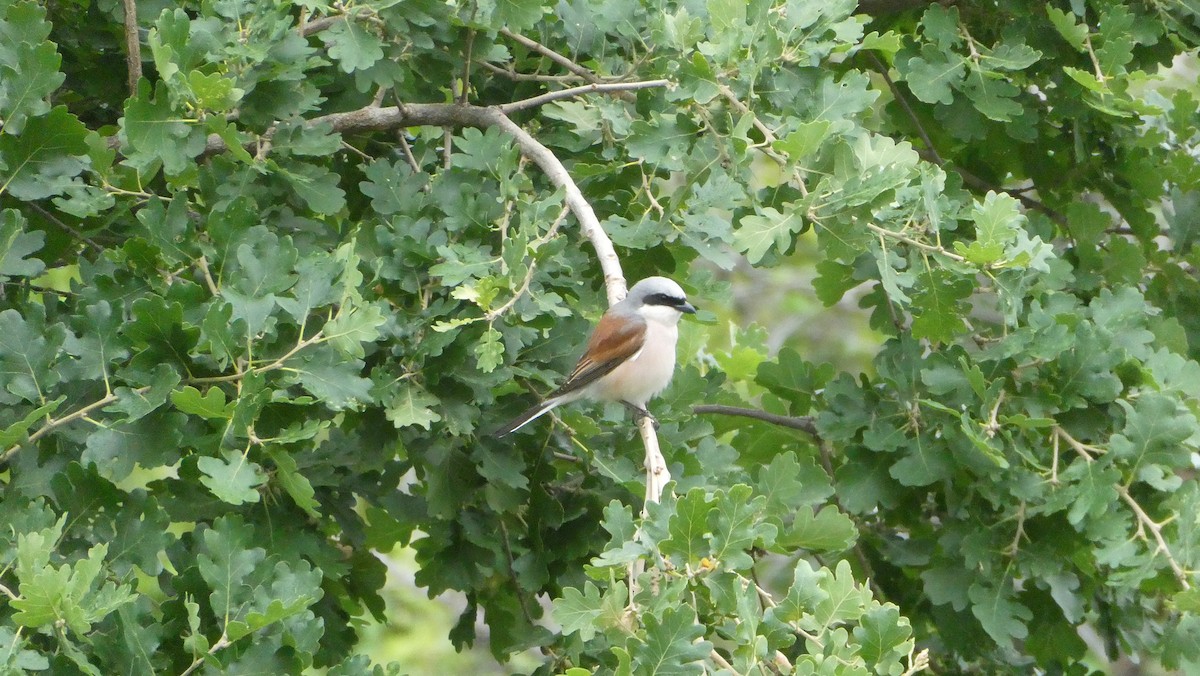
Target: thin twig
{"points": [[551, 54], [1088, 453], [133, 47], [769, 136], [408, 153], [595, 87], [221, 644], [54, 424], [908, 109], [803, 423], [1155, 530], [307, 28], [498, 312], [923, 246], [722, 662], [66, 228], [527, 77]]}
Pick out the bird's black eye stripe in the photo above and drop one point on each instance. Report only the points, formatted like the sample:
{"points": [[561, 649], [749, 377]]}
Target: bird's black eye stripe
{"points": [[664, 299]]}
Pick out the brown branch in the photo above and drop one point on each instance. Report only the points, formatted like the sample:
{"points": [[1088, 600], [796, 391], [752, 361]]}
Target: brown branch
{"points": [[804, 423], [308, 28], [552, 55], [930, 153], [133, 46], [527, 77]]}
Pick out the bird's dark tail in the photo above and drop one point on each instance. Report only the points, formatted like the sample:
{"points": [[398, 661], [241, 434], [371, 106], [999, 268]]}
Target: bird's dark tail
{"points": [[527, 417]]}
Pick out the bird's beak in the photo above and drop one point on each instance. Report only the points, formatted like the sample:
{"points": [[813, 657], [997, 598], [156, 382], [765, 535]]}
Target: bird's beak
{"points": [[687, 308]]}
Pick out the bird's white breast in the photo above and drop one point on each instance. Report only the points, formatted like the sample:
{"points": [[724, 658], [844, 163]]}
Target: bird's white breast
{"points": [[647, 372]]}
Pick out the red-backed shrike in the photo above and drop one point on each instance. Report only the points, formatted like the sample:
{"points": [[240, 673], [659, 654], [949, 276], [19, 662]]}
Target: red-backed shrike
{"points": [[631, 354]]}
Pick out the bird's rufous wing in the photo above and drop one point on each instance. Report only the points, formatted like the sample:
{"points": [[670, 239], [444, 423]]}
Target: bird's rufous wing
{"points": [[613, 342]]}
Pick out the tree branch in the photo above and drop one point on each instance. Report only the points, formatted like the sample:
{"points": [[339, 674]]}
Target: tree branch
{"points": [[533, 102], [133, 46], [804, 423], [551, 54], [55, 423]]}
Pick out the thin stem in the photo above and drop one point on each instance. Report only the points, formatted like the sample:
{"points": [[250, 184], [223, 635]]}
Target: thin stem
{"points": [[498, 312], [884, 232], [551, 54], [221, 644], [55, 423], [804, 423], [595, 87], [1144, 521]]}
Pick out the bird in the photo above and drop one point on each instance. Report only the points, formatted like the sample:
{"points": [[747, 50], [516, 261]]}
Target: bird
{"points": [[629, 358]]}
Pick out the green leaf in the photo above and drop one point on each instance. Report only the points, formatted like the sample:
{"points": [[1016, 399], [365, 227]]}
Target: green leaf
{"points": [[73, 594], [688, 528], [16, 245], [828, 530], [1064, 22], [211, 405], [803, 596], [932, 76], [334, 379], [844, 599], [226, 561], [736, 524], [757, 234], [939, 305], [148, 442], [155, 131], [352, 327], [45, 158], [19, 430], [886, 638], [1003, 618], [1152, 438], [790, 484], [25, 85], [316, 186], [295, 484], [518, 15], [352, 45], [578, 612], [232, 478], [671, 646], [411, 405]]}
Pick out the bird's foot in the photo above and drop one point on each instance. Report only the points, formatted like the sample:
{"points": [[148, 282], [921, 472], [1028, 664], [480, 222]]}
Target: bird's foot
{"points": [[639, 413]]}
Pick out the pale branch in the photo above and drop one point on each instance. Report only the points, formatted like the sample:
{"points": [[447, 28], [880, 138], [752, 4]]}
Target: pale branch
{"points": [[55, 423], [1155, 529], [221, 644], [526, 77], [769, 136], [803, 423], [923, 246], [610, 264], [1088, 453], [595, 87], [657, 474], [551, 54], [508, 305]]}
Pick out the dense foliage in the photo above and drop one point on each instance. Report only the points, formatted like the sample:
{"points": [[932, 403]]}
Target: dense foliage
{"points": [[261, 305]]}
